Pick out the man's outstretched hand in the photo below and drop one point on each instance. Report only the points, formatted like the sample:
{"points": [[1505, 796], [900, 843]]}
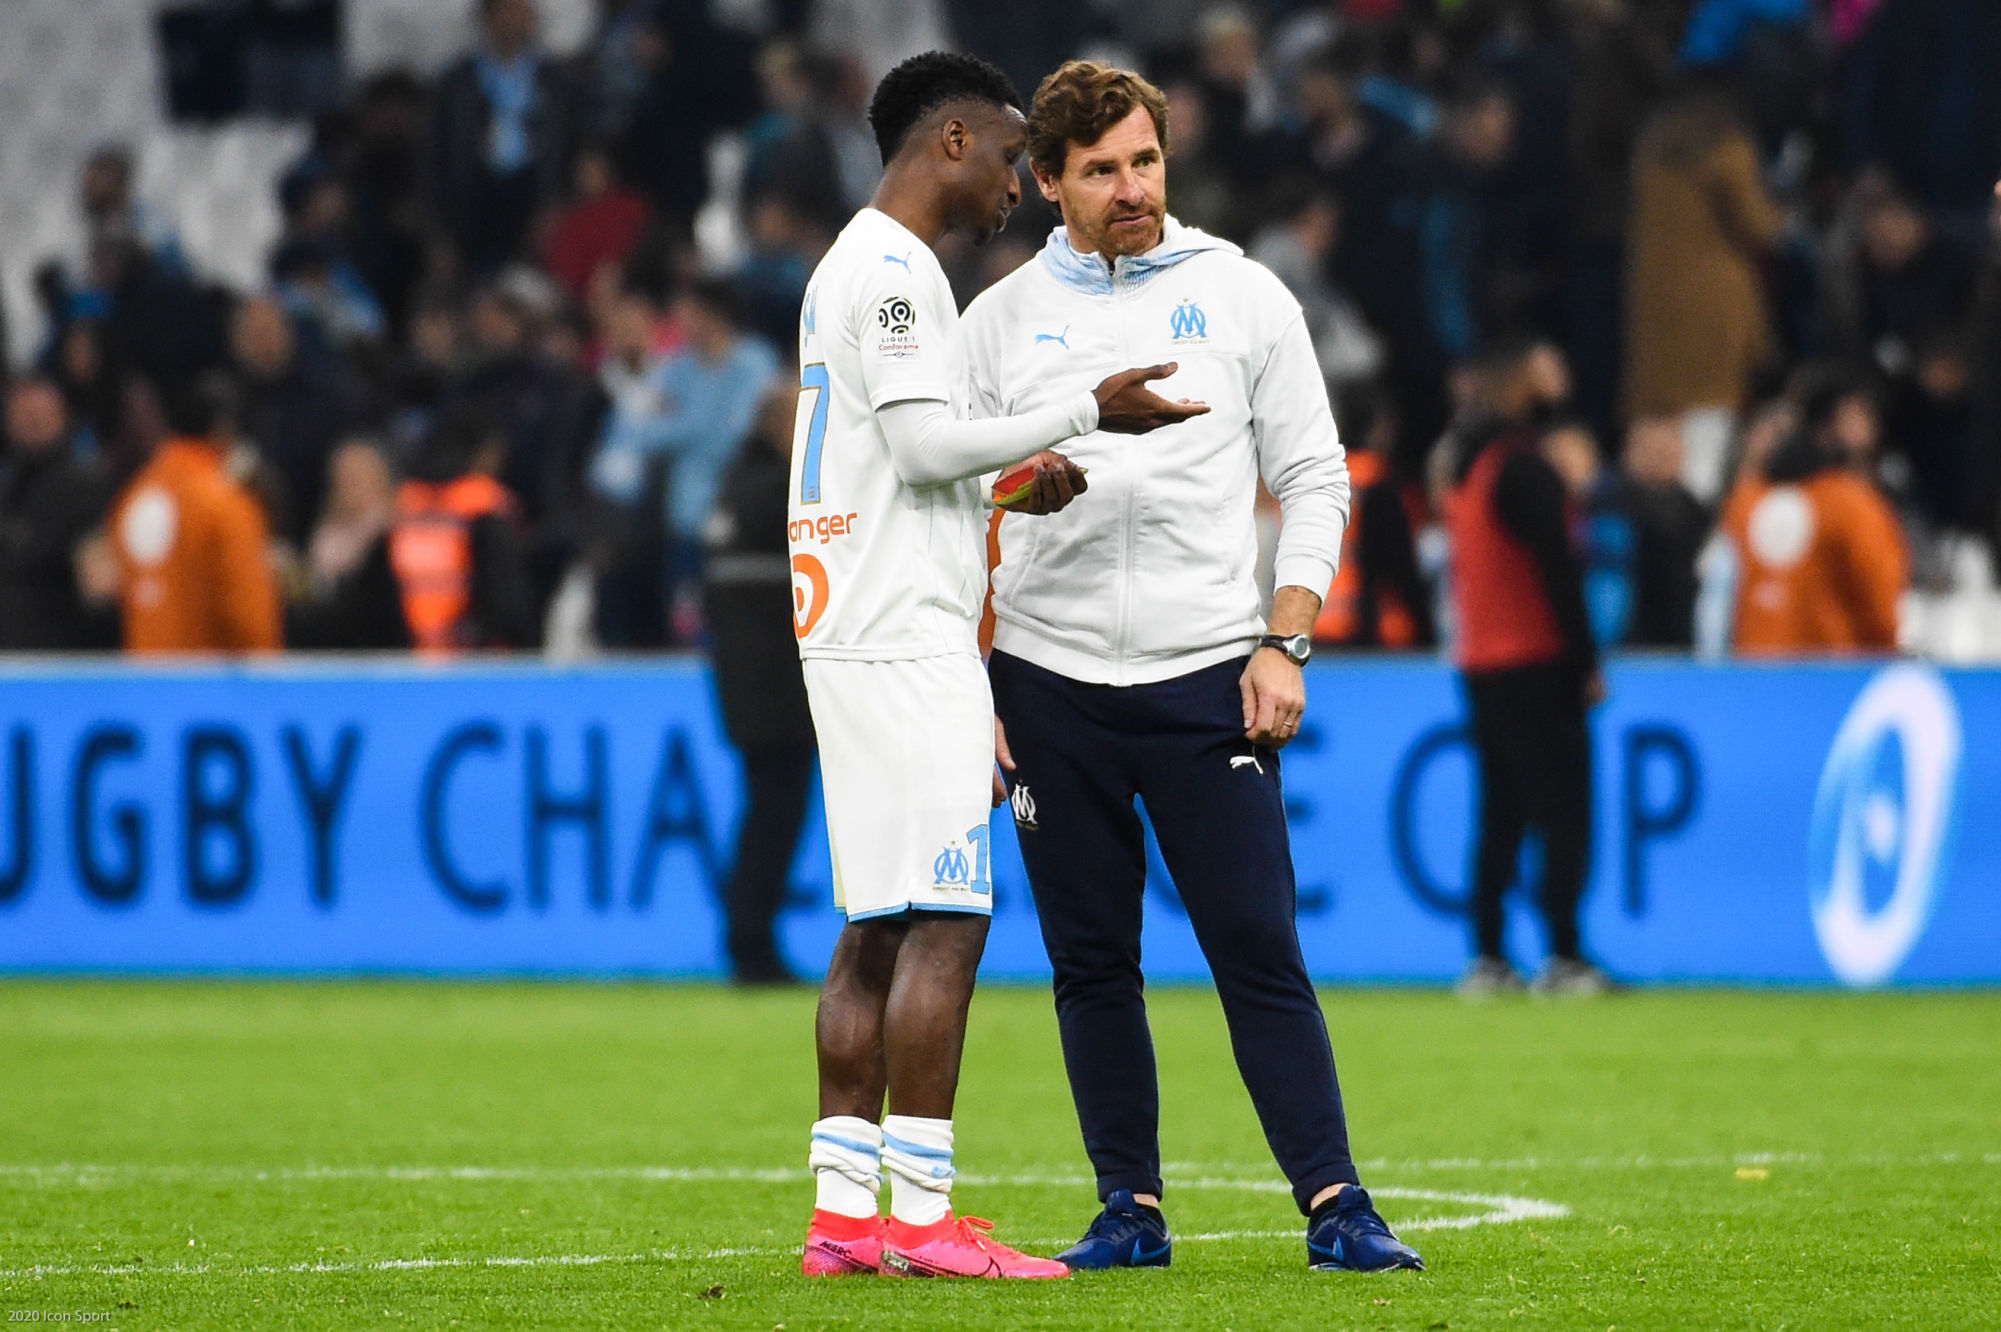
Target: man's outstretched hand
{"points": [[1126, 406], [1057, 482]]}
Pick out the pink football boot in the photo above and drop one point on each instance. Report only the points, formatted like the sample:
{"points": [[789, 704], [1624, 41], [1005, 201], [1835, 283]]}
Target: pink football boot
{"points": [[839, 1245], [958, 1246]]}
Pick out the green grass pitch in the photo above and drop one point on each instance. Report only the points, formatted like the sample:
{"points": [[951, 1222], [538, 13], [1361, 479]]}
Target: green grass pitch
{"points": [[335, 1154]]}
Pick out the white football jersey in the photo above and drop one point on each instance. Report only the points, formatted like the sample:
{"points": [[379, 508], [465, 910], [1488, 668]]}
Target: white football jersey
{"points": [[881, 570]]}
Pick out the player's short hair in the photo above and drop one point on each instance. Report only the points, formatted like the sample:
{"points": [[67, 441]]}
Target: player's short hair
{"points": [[922, 84], [1082, 100]]}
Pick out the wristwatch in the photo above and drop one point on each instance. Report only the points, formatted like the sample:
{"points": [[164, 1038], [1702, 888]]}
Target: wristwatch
{"points": [[1298, 648]]}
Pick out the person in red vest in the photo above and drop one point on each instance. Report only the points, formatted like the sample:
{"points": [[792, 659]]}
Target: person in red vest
{"points": [[456, 546], [1531, 672]]}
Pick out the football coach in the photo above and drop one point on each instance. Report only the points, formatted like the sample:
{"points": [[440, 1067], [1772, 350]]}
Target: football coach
{"points": [[1132, 658]]}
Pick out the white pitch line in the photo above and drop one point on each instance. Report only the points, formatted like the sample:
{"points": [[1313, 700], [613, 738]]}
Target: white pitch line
{"points": [[1217, 1176], [389, 1264]]}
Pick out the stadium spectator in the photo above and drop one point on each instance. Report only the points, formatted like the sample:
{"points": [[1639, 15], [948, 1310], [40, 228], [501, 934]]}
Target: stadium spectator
{"points": [[49, 502], [1204, 195], [1603, 529], [759, 684], [456, 548], [291, 410], [598, 229], [163, 323], [693, 409], [615, 66], [85, 366], [1935, 428], [1638, 533], [1531, 672], [1367, 161], [326, 296], [324, 285], [544, 406], [112, 209], [1378, 599], [1673, 526], [1237, 91], [382, 163], [1821, 559], [1455, 219], [192, 543], [812, 147], [500, 145], [1625, 63], [351, 598], [785, 245], [1299, 247], [1697, 323]]}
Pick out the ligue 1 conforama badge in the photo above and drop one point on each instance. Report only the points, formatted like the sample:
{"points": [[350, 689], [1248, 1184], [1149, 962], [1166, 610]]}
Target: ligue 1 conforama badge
{"points": [[1882, 820], [897, 320]]}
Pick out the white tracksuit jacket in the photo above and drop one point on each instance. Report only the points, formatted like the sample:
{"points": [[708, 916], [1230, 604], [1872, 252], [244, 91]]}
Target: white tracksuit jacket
{"points": [[1151, 574]]}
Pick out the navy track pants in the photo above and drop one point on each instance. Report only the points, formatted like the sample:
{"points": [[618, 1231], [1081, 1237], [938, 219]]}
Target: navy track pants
{"points": [[1083, 753]]}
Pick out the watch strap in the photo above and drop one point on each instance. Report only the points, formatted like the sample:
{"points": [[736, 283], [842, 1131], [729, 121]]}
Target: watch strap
{"points": [[1283, 642]]}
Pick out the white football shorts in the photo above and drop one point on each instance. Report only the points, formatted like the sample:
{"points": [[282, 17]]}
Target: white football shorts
{"points": [[906, 762]]}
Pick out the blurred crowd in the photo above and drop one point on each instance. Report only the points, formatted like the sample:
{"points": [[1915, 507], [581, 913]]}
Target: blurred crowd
{"points": [[519, 376]]}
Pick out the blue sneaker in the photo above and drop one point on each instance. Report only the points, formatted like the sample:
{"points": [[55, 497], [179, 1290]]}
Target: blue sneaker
{"points": [[1122, 1236], [1350, 1236]]}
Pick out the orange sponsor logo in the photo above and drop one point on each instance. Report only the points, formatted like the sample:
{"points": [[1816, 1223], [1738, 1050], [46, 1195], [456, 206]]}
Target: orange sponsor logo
{"points": [[809, 598], [823, 528]]}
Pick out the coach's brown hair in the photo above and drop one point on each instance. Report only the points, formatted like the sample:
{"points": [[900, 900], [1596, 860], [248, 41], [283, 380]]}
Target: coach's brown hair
{"points": [[1079, 102]]}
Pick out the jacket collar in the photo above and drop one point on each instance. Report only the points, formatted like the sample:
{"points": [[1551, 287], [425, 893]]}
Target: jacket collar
{"points": [[1090, 274]]}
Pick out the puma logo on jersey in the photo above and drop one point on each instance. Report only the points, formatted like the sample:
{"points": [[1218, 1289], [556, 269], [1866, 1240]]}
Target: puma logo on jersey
{"points": [[892, 259], [1060, 339], [1240, 760]]}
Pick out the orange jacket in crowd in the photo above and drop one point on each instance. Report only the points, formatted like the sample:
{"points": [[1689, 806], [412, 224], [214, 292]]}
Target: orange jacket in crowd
{"points": [[195, 574], [1822, 563]]}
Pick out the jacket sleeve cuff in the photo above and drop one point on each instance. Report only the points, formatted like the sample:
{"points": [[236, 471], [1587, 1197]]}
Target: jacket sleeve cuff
{"points": [[1084, 411], [1311, 572]]}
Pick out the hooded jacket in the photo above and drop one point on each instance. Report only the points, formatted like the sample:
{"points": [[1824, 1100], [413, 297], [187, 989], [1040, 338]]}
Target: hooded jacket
{"points": [[1151, 573]]}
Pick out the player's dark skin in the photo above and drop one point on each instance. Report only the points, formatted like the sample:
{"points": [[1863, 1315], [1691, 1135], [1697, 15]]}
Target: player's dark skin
{"points": [[892, 1019]]}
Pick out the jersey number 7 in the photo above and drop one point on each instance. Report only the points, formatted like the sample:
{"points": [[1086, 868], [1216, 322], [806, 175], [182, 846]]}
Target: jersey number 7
{"points": [[812, 419]]}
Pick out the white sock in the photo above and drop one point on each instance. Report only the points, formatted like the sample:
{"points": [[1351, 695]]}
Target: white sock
{"points": [[917, 1153], [847, 1165]]}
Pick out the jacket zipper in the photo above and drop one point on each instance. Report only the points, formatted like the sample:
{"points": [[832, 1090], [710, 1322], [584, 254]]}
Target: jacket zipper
{"points": [[1128, 538]]}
